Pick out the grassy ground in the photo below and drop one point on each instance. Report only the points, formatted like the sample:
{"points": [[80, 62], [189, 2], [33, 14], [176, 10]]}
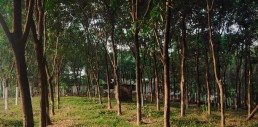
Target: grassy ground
{"points": [[80, 111]]}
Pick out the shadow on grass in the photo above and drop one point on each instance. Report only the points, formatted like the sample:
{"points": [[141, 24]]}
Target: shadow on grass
{"points": [[10, 123], [187, 122]]}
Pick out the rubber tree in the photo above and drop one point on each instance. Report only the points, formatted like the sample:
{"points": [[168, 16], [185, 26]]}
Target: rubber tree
{"points": [[17, 39], [209, 10]]}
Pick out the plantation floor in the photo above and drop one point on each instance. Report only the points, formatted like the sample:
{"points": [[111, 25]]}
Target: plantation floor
{"points": [[80, 111]]}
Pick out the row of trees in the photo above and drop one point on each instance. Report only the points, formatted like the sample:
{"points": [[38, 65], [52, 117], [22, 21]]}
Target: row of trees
{"points": [[191, 46]]}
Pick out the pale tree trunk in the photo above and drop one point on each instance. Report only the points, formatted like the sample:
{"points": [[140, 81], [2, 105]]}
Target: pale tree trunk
{"points": [[98, 87], [107, 76], [209, 9], [57, 89], [249, 85], [251, 115], [16, 94], [6, 93], [207, 78], [165, 61], [156, 81]]}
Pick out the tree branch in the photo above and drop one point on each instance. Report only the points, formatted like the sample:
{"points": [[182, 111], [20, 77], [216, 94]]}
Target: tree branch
{"points": [[5, 27], [29, 21]]}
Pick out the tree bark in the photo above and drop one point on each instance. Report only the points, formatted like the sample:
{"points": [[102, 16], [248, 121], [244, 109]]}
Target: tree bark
{"points": [[238, 67], [16, 93], [207, 79], [6, 93], [166, 66], [17, 40], [156, 81], [209, 9], [197, 75], [151, 90], [115, 67], [37, 33], [51, 93], [107, 80], [182, 82], [251, 115], [249, 84], [57, 89]]}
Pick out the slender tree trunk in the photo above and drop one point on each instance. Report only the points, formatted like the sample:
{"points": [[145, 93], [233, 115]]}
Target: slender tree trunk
{"points": [[107, 79], [182, 82], [209, 9], [251, 115], [57, 89], [151, 91], [42, 82], [197, 76], [98, 87], [249, 85], [2, 87], [16, 94], [48, 121], [115, 66], [138, 85], [238, 65], [207, 79], [166, 66], [6, 93], [88, 84], [156, 81], [108, 86], [51, 93]]}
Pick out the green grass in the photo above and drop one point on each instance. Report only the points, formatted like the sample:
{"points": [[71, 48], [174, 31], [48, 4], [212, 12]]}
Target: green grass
{"points": [[81, 111]]}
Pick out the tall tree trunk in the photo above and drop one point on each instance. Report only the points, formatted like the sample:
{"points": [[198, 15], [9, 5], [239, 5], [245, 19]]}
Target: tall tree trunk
{"points": [[88, 83], [37, 33], [138, 78], [21, 70], [48, 121], [207, 79], [166, 66], [249, 84], [151, 90], [182, 82], [17, 39], [197, 76], [42, 82], [57, 89], [209, 9], [107, 80], [156, 81], [238, 67], [98, 87], [115, 67], [51, 93]]}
